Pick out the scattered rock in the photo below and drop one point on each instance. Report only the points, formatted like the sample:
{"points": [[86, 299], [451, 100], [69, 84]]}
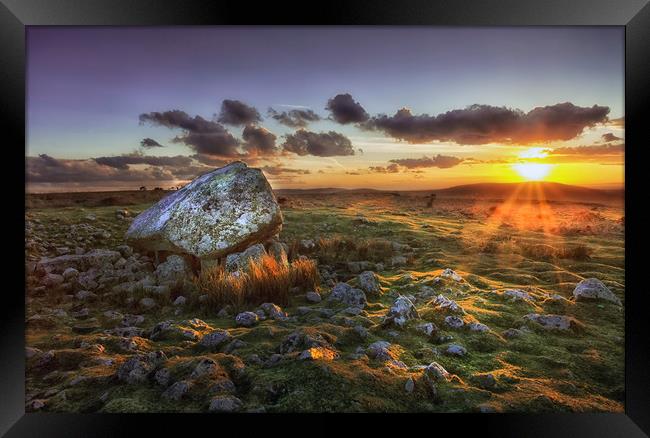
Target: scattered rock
{"points": [[138, 368], [273, 311], [180, 300], [448, 273], [401, 312], [240, 261], [454, 322], [594, 289], [173, 270], [313, 297], [436, 372], [551, 322], [225, 403], [346, 294], [445, 303], [380, 350], [177, 390], [369, 283], [147, 303], [478, 327], [410, 385], [456, 350], [518, 295], [428, 329], [398, 261], [246, 319], [215, 338]]}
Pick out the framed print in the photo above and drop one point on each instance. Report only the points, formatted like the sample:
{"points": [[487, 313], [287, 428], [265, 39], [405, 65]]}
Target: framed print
{"points": [[422, 209]]}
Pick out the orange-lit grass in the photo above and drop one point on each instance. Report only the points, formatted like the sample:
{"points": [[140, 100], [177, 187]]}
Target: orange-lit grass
{"points": [[266, 280]]}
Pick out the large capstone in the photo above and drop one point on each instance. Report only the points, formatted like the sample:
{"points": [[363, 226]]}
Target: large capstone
{"points": [[218, 213]]}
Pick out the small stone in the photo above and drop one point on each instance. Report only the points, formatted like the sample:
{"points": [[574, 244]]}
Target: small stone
{"points": [[594, 289], [436, 372], [369, 283], [246, 319], [313, 297], [551, 322], [273, 311], [215, 338], [454, 321], [428, 329], [478, 327], [225, 404], [402, 311], [177, 390], [410, 385], [180, 300], [456, 350], [147, 303]]}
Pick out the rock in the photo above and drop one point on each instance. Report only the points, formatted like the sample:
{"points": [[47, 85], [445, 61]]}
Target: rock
{"points": [[448, 273], [445, 303], [132, 320], [273, 311], [401, 312], [218, 213], [456, 350], [70, 274], [177, 390], [454, 321], [361, 331], [485, 381], [147, 303], [346, 294], [125, 250], [436, 372], [96, 258], [31, 352], [84, 294], [180, 300], [594, 289], [518, 295], [279, 251], [239, 261], [138, 368], [369, 283], [172, 270], [478, 327], [380, 350], [206, 366], [52, 280], [398, 261], [225, 403], [512, 333], [162, 376], [410, 385], [313, 297], [300, 340], [307, 244], [428, 329], [215, 338], [318, 353], [551, 322], [246, 319], [223, 386]]}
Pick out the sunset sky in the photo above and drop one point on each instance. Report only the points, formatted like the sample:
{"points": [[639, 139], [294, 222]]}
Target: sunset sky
{"points": [[381, 107]]}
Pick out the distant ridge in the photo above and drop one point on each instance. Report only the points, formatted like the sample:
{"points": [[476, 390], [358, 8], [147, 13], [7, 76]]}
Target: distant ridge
{"points": [[533, 190]]}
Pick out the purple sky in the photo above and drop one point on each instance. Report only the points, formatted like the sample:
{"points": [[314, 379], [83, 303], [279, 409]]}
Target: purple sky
{"points": [[88, 85]]}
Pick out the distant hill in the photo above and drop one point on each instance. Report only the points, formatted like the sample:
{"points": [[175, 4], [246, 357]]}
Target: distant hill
{"points": [[550, 191]]}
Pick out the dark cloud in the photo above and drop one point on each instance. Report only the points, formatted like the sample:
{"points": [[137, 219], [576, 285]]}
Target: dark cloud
{"points": [[295, 118], [324, 144], [46, 169], [204, 136], [259, 140], [602, 150], [210, 160], [439, 161], [123, 161], [150, 143], [391, 168], [345, 109], [609, 137], [481, 124], [281, 170], [236, 112]]}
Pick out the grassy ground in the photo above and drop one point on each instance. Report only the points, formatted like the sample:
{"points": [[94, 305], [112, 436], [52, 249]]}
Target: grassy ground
{"points": [[543, 249]]}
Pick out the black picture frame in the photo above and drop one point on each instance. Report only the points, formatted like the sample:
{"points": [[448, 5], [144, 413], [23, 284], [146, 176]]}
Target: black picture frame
{"points": [[15, 15]]}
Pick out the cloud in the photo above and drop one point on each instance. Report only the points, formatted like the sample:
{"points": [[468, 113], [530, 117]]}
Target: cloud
{"points": [[324, 144], [439, 161], [295, 118], [482, 124], [259, 140], [345, 109], [46, 169], [236, 112], [203, 136], [601, 150], [150, 143], [391, 168], [123, 161], [280, 170], [609, 137]]}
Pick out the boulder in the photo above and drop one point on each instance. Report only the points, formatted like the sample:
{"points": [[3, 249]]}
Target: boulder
{"points": [[551, 322], [218, 213], [594, 289], [401, 312], [246, 319], [174, 269]]}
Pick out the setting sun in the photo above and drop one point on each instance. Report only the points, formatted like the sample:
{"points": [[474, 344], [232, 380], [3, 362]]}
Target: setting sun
{"points": [[532, 171]]}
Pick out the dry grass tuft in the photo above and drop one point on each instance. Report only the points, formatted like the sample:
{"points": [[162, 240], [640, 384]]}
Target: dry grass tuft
{"points": [[343, 249], [266, 280]]}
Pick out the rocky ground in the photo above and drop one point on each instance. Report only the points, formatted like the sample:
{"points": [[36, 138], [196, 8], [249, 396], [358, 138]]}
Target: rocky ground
{"points": [[466, 306]]}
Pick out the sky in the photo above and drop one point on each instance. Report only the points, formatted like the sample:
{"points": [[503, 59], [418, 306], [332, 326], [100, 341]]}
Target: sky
{"points": [[399, 108]]}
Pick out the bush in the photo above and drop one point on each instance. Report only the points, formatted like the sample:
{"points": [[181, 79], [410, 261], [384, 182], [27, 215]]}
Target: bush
{"points": [[266, 280]]}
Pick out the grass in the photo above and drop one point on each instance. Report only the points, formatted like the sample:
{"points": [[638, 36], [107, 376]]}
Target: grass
{"points": [[266, 280]]}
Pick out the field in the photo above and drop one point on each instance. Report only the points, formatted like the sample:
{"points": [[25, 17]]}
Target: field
{"points": [[500, 362]]}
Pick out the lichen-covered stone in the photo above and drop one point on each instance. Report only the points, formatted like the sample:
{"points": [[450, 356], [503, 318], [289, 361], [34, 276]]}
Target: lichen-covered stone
{"points": [[218, 213]]}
